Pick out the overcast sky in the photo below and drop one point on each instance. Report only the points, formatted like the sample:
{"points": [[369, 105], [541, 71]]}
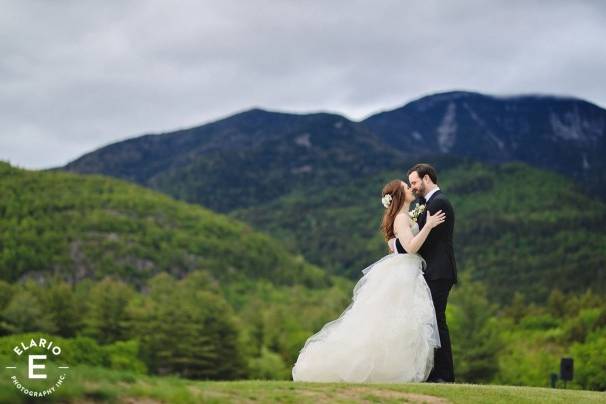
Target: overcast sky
{"points": [[76, 75]]}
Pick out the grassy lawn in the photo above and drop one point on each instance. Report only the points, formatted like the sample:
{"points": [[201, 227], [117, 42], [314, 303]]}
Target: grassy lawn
{"points": [[85, 384]]}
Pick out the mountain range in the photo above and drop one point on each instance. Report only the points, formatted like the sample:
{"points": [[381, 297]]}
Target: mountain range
{"points": [[256, 156], [529, 166], [567, 135]]}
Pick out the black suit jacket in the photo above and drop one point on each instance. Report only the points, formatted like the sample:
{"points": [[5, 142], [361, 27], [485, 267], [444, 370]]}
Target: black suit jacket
{"points": [[438, 249]]}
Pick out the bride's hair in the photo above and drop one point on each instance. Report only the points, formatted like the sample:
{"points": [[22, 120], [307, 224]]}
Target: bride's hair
{"points": [[396, 190]]}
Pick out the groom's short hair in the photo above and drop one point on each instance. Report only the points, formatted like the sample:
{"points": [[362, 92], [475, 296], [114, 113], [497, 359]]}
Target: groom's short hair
{"points": [[424, 169]]}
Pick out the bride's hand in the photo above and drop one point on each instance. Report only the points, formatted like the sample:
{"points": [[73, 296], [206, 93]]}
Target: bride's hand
{"points": [[436, 219], [392, 245]]}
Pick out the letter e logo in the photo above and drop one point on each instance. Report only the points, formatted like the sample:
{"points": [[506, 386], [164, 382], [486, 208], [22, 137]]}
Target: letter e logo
{"points": [[32, 366]]}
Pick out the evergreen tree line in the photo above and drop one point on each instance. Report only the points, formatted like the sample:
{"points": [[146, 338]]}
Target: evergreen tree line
{"points": [[194, 328], [182, 327]]}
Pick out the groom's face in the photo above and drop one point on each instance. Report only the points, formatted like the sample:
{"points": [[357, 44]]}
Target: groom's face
{"points": [[416, 184]]}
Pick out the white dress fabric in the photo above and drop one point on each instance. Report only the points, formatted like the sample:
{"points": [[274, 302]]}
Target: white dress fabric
{"points": [[387, 334]]}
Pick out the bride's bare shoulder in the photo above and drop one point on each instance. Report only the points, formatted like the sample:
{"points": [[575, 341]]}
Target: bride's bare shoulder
{"points": [[401, 217], [402, 220]]}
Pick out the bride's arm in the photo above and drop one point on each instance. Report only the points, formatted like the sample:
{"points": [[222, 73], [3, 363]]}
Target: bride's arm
{"points": [[411, 243]]}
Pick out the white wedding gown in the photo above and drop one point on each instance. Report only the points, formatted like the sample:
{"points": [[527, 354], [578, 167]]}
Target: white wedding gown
{"points": [[387, 334]]}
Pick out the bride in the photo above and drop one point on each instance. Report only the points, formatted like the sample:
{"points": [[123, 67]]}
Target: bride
{"points": [[389, 331]]}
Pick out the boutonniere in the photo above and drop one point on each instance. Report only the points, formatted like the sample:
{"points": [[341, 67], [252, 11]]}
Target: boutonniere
{"points": [[416, 212]]}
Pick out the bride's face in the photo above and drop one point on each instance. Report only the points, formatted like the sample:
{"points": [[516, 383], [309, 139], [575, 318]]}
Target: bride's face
{"points": [[408, 195]]}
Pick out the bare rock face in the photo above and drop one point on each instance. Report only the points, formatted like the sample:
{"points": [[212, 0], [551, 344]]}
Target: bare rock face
{"points": [[562, 134]]}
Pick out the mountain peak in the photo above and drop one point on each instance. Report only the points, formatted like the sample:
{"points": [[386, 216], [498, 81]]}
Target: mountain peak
{"points": [[453, 95], [459, 95], [569, 133]]}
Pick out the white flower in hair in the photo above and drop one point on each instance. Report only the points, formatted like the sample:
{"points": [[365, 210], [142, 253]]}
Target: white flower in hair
{"points": [[386, 200]]}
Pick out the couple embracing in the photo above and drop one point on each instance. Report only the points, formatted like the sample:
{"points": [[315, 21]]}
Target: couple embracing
{"points": [[395, 328]]}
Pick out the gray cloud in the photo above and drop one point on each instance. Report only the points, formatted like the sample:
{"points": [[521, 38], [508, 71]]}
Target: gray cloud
{"points": [[77, 75]]}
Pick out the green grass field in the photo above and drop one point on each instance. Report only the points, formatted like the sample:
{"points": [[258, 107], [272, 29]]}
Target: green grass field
{"points": [[86, 385]]}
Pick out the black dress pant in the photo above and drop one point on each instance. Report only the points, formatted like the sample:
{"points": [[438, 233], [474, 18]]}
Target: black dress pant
{"points": [[443, 367]]}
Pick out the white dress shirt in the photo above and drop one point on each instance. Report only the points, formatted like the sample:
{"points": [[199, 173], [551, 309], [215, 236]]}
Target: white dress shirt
{"points": [[430, 193]]}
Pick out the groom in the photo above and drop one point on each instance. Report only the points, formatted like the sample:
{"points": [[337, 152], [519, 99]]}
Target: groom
{"points": [[438, 252]]}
